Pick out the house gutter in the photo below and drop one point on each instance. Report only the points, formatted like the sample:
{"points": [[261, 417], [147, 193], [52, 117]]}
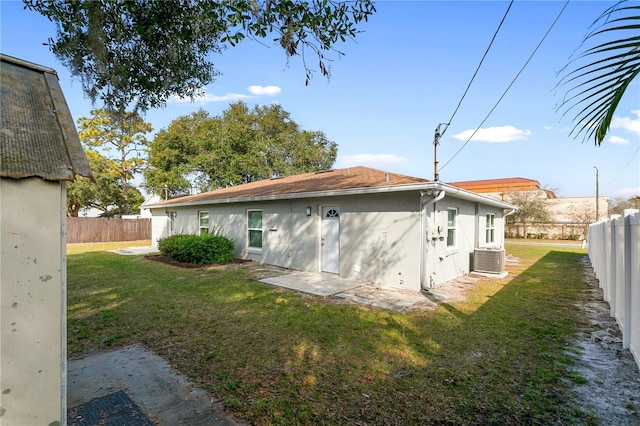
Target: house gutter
{"points": [[425, 283]]}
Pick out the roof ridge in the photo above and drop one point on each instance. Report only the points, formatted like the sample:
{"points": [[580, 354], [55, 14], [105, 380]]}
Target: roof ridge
{"points": [[333, 179]]}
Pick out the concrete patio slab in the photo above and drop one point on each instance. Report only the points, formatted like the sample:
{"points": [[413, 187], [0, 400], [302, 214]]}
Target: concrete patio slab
{"points": [[326, 285], [135, 251], [395, 300], [318, 283]]}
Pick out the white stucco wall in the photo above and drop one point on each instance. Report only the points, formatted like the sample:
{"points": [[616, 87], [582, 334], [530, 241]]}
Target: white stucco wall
{"points": [[381, 235], [380, 239], [33, 302], [446, 263]]}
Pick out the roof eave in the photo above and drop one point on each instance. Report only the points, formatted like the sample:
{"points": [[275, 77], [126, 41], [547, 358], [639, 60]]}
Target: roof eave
{"points": [[437, 186], [472, 196]]}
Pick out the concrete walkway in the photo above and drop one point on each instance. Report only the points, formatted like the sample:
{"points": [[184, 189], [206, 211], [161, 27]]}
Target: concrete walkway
{"points": [[136, 251], [165, 396]]}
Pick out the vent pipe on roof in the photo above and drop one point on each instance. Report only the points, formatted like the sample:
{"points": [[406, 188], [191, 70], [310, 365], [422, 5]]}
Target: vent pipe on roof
{"points": [[348, 170], [386, 177]]}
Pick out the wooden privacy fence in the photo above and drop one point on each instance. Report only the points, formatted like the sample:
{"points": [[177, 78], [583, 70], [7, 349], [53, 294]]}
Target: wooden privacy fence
{"points": [[614, 251], [97, 229]]}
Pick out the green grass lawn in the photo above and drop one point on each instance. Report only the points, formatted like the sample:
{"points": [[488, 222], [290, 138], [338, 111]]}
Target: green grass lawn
{"points": [[280, 357]]}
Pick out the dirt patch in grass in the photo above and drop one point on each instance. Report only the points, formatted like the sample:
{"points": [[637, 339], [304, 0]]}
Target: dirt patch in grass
{"points": [[607, 379]]}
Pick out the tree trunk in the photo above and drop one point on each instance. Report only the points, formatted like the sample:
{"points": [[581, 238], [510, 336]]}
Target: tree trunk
{"points": [[125, 184]]}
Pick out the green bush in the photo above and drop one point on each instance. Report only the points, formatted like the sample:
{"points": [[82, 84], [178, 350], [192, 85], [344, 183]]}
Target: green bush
{"points": [[197, 249]]}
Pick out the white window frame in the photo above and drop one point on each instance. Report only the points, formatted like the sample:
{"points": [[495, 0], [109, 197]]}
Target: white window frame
{"points": [[250, 230], [452, 229], [490, 228], [203, 229]]}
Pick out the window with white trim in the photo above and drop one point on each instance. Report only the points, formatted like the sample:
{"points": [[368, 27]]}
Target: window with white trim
{"points": [[490, 228], [254, 226], [203, 222], [452, 218]]}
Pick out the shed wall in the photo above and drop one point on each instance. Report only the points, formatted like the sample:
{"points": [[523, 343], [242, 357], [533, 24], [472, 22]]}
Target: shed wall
{"points": [[33, 301]]}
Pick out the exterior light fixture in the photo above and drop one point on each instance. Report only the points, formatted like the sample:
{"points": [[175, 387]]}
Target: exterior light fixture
{"points": [[309, 211]]}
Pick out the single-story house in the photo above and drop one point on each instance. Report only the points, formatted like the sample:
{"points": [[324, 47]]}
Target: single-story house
{"points": [[39, 153], [361, 223]]}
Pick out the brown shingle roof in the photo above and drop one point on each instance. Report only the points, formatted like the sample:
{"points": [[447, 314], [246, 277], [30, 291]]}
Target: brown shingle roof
{"points": [[339, 179], [498, 185], [37, 134]]}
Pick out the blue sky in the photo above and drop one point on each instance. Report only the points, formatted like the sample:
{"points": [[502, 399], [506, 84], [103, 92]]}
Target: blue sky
{"points": [[403, 76]]}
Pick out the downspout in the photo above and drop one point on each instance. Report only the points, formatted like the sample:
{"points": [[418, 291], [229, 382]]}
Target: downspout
{"points": [[504, 223], [476, 227], [425, 282]]}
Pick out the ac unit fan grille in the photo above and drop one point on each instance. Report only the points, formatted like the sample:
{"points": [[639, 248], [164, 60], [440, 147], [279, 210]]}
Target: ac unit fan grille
{"points": [[485, 260]]}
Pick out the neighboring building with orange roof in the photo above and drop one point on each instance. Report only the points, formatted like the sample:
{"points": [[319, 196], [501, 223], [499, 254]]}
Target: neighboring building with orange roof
{"points": [[569, 217], [499, 185], [394, 230], [499, 188]]}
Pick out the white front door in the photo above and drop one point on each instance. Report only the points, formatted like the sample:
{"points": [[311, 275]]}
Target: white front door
{"points": [[330, 250]]}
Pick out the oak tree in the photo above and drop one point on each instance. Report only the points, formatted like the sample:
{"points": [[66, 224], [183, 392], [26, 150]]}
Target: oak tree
{"points": [[135, 54], [241, 145]]}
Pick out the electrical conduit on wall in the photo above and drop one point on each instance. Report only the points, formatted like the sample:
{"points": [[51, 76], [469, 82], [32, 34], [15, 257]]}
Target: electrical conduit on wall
{"points": [[426, 282]]}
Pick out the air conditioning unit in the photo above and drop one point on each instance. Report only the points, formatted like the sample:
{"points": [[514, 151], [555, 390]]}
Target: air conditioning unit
{"points": [[488, 260]]}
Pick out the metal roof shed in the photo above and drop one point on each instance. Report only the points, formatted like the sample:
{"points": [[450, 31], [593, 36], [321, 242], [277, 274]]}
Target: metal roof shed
{"points": [[39, 152]]}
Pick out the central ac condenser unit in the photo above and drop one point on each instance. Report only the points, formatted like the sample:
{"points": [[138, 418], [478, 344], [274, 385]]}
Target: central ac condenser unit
{"points": [[488, 260]]}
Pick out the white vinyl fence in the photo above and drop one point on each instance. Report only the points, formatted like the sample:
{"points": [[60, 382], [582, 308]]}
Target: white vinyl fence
{"points": [[614, 251]]}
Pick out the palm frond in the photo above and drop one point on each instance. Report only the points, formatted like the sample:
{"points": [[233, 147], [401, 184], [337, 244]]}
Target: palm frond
{"points": [[596, 88]]}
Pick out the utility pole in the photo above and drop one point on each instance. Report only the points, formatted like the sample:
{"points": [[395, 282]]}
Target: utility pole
{"points": [[436, 142], [597, 196]]}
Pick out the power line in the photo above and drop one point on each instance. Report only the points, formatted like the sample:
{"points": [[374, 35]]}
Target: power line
{"points": [[479, 65], [510, 84], [627, 165]]}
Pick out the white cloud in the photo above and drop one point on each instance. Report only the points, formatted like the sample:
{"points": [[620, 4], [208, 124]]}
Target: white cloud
{"points": [[618, 140], [548, 127], [205, 98], [627, 193], [494, 134], [375, 160], [629, 124], [264, 90]]}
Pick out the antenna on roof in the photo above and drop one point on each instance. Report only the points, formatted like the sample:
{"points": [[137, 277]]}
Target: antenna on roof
{"points": [[436, 141]]}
